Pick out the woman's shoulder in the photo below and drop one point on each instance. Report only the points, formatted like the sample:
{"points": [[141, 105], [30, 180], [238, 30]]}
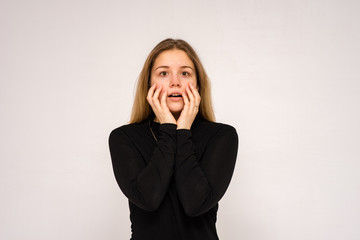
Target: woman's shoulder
{"points": [[129, 129], [201, 123], [207, 127]]}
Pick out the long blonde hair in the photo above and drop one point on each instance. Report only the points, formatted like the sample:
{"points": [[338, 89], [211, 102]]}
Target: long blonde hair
{"points": [[141, 109]]}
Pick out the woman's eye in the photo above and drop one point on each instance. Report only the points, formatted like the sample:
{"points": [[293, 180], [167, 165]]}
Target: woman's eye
{"points": [[163, 74], [185, 73]]}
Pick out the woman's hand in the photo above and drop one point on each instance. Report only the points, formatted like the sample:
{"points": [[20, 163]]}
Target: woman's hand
{"points": [[159, 106], [191, 99]]}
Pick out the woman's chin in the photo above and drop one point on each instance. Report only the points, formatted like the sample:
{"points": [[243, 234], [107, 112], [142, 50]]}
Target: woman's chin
{"points": [[176, 111], [176, 108]]}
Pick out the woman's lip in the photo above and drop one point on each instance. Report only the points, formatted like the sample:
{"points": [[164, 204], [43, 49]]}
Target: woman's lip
{"points": [[175, 98]]}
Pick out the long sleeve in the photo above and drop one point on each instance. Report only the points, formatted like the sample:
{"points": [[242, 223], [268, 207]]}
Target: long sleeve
{"points": [[201, 183], [143, 181]]}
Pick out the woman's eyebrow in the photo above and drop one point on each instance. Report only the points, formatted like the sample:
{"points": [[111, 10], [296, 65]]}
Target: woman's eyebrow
{"points": [[162, 67], [169, 67], [187, 67]]}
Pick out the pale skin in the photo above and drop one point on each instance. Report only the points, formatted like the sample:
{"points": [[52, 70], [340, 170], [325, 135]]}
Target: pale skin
{"points": [[173, 95]]}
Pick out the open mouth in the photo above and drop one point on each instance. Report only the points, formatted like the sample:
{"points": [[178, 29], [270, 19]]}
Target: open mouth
{"points": [[175, 95]]}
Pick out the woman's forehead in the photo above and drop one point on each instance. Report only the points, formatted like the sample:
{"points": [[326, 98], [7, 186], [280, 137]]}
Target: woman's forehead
{"points": [[173, 58]]}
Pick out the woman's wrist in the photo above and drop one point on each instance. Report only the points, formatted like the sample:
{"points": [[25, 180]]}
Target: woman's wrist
{"points": [[183, 126], [165, 120]]}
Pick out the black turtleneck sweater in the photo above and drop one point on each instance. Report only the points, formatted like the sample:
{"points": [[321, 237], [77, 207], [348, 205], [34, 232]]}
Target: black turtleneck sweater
{"points": [[173, 183]]}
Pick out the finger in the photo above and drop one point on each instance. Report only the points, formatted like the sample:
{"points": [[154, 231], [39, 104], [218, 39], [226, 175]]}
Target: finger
{"points": [[193, 105], [186, 99], [153, 87], [163, 99], [155, 101], [191, 95], [194, 90], [155, 97], [150, 93], [194, 101], [196, 94]]}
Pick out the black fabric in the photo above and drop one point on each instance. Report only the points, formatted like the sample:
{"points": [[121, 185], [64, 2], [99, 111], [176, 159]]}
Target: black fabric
{"points": [[173, 185]]}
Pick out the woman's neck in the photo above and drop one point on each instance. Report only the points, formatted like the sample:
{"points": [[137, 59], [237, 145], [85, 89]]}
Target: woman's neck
{"points": [[176, 116]]}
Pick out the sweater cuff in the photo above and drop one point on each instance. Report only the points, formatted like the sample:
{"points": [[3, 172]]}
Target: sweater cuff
{"points": [[185, 132], [168, 127], [184, 142], [167, 134], [183, 135]]}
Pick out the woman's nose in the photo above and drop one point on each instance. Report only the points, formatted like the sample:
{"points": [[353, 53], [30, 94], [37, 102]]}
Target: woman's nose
{"points": [[175, 81]]}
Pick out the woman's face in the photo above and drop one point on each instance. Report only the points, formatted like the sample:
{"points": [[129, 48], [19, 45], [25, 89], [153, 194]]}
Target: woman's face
{"points": [[173, 70]]}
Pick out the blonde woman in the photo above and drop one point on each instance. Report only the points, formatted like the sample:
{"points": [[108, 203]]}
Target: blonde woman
{"points": [[173, 161]]}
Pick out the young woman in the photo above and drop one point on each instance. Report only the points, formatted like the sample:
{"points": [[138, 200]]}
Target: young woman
{"points": [[173, 162]]}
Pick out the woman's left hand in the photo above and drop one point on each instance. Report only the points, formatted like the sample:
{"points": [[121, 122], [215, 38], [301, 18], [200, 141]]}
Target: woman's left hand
{"points": [[191, 99]]}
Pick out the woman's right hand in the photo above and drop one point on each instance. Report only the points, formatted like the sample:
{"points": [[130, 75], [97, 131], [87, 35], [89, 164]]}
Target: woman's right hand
{"points": [[159, 106]]}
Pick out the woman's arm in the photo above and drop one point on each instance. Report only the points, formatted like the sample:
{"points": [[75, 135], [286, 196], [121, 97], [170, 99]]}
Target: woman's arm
{"points": [[144, 182], [202, 182]]}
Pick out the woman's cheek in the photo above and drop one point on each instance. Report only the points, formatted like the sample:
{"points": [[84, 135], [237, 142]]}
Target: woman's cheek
{"points": [[155, 79], [163, 90]]}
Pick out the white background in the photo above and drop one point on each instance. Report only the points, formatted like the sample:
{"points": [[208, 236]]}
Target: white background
{"points": [[284, 73]]}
